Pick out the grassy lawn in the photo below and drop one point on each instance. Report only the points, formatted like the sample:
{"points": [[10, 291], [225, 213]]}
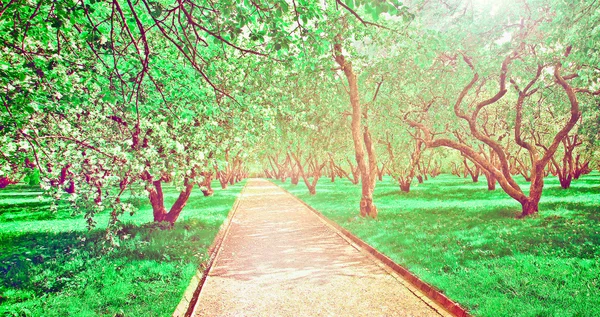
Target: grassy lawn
{"points": [[50, 265], [464, 239]]}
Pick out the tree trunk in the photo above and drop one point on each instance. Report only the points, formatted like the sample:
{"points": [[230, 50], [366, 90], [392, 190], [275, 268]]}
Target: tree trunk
{"points": [[332, 172], [268, 174], [419, 179], [206, 186], [380, 172], [565, 180], [368, 181], [564, 171], [538, 164], [435, 171], [355, 175], [316, 172], [5, 181], [159, 212], [474, 172], [179, 204], [367, 208], [455, 169], [529, 208], [312, 188], [491, 181], [223, 180], [157, 201], [404, 185], [581, 168], [295, 177]]}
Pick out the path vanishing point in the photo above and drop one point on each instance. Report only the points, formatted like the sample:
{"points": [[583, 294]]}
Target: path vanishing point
{"points": [[280, 259]]}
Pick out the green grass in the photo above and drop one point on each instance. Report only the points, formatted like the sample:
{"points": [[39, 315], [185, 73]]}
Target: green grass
{"points": [[50, 265], [466, 240]]}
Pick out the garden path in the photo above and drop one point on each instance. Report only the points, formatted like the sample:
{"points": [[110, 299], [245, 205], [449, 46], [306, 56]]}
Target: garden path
{"points": [[280, 259]]}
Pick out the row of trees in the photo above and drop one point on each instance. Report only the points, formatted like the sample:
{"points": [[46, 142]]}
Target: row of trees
{"points": [[511, 88], [106, 96]]}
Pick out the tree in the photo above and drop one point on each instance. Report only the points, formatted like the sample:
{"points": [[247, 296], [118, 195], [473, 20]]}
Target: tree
{"points": [[361, 136], [528, 81], [91, 104]]}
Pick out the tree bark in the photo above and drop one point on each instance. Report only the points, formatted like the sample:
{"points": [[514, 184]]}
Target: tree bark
{"points": [[5, 181], [419, 179], [179, 204], [404, 186], [206, 184], [491, 181], [354, 172], [502, 174], [332, 172], [474, 172], [367, 207], [295, 177], [381, 171], [316, 172], [223, 179], [581, 168], [155, 193], [529, 207]]}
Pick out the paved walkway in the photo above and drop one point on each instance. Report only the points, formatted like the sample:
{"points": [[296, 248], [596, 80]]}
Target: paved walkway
{"points": [[280, 259]]}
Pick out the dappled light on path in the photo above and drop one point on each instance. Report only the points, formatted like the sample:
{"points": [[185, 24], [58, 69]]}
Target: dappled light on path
{"points": [[279, 259]]}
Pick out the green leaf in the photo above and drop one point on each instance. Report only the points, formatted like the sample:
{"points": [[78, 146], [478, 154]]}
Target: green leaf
{"points": [[157, 12], [284, 6], [350, 4]]}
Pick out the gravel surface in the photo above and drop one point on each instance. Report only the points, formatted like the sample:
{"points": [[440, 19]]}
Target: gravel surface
{"points": [[280, 259]]}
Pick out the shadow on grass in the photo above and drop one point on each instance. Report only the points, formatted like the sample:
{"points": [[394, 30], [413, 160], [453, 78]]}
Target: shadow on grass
{"points": [[55, 267], [22, 188], [37, 264], [30, 206]]}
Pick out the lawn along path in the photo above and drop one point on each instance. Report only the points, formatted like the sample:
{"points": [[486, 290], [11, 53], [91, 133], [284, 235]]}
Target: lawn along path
{"points": [[280, 259]]}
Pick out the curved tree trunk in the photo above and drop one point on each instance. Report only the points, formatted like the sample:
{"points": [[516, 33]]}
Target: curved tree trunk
{"points": [[206, 185], [529, 207], [581, 168], [155, 194], [367, 169], [316, 172], [295, 177], [179, 204], [381, 171], [354, 172], [491, 181], [404, 183], [474, 172], [419, 179], [331, 170], [223, 179], [538, 161]]}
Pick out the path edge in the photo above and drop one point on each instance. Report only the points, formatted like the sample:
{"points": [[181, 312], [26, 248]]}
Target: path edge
{"points": [[187, 304], [430, 291]]}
